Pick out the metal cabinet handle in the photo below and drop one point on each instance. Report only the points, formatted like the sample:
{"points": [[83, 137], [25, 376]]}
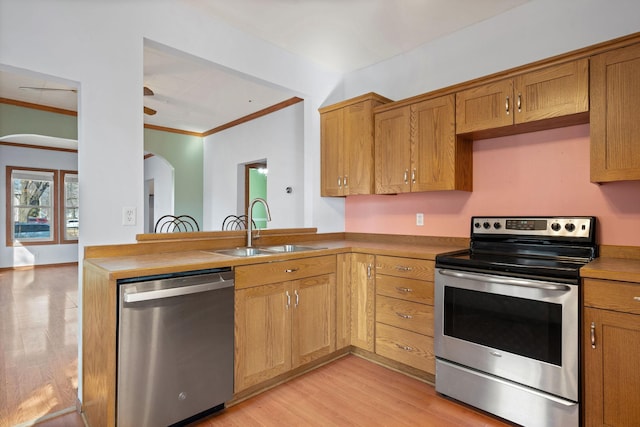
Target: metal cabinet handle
{"points": [[506, 105], [519, 103], [291, 270], [369, 271], [404, 347], [405, 290], [339, 181], [636, 299], [404, 316], [288, 299], [413, 176], [297, 298], [403, 268], [406, 176], [345, 182], [593, 335]]}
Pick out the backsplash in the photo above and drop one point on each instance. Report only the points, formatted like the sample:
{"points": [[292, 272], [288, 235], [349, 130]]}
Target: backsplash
{"points": [[539, 173]]}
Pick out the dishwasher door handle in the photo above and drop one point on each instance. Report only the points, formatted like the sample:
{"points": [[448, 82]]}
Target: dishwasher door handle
{"points": [[176, 292]]}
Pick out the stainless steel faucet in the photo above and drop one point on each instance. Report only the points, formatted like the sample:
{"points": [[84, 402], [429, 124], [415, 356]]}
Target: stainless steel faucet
{"points": [[250, 217]]}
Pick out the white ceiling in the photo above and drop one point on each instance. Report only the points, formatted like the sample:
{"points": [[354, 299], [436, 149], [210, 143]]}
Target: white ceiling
{"points": [[341, 35]]}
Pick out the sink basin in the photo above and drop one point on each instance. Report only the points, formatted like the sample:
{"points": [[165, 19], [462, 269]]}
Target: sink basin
{"points": [[242, 252], [289, 248]]}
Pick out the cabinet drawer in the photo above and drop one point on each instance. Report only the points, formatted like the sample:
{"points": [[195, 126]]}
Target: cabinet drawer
{"points": [[406, 347], [282, 271], [405, 314], [610, 295], [407, 289], [405, 267]]}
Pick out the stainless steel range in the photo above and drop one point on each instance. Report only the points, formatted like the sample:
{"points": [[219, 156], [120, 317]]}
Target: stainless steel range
{"points": [[507, 318]]}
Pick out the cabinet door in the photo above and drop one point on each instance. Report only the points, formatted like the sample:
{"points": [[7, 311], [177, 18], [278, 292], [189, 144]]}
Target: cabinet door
{"points": [[611, 368], [343, 301], [262, 334], [314, 321], [393, 151], [331, 162], [363, 301], [485, 107], [358, 149], [438, 160], [615, 108], [552, 92]]}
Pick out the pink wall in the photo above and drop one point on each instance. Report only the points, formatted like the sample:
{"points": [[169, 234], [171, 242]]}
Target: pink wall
{"points": [[540, 173]]}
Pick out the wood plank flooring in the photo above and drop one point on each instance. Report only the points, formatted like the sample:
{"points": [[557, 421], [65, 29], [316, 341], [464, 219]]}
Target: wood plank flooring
{"points": [[38, 342], [351, 392]]}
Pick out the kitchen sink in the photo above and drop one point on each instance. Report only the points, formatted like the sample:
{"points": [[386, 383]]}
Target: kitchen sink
{"points": [[242, 252], [289, 248]]}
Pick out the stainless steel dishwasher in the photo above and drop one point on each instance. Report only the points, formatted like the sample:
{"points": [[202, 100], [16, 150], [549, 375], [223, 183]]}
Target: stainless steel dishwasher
{"points": [[175, 347]]}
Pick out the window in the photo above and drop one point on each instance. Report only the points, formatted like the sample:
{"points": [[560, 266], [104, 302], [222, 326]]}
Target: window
{"points": [[31, 195], [69, 206]]}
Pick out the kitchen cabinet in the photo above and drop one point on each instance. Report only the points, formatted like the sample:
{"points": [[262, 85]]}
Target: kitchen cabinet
{"points": [[404, 311], [416, 148], [548, 93], [346, 146], [615, 108], [611, 338], [362, 279], [284, 317]]}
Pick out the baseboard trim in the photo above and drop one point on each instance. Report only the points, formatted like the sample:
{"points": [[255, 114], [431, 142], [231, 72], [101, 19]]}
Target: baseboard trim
{"points": [[31, 267]]}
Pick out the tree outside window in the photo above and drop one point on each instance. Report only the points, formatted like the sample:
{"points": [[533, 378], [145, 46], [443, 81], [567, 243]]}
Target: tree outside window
{"points": [[70, 219]]}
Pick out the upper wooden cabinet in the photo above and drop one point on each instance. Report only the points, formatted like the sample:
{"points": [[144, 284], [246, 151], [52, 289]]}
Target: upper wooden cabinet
{"points": [[346, 145], [615, 109], [416, 148], [549, 93]]}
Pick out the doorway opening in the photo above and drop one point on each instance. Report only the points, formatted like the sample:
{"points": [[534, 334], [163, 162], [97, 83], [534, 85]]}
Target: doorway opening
{"points": [[255, 181]]}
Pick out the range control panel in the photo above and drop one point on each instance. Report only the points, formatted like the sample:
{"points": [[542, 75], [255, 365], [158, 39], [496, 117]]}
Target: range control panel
{"points": [[555, 226]]}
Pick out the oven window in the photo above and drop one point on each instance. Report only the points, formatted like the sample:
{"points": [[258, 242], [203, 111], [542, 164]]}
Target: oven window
{"points": [[525, 327]]}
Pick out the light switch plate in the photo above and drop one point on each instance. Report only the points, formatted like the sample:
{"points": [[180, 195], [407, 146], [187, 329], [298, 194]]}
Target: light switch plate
{"points": [[420, 219]]}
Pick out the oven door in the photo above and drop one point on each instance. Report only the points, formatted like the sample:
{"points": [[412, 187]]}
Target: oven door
{"points": [[518, 329]]}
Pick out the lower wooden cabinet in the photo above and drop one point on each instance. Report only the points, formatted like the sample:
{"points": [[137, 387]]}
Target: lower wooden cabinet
{"points": [[404, 311], [611, 327], [362, 275], [280, 326]]}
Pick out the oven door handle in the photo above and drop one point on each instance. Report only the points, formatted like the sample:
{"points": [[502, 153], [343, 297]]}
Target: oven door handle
{"points": [[506, 281]]}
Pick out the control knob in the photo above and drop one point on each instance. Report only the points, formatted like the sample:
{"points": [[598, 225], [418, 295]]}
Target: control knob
{"points": [[570, 227], [486, 225], [555, 226], [477, 225], [497, 225]]}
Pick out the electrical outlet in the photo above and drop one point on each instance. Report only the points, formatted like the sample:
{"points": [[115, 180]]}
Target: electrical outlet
{"points": [[420, 219], [128, 215]]}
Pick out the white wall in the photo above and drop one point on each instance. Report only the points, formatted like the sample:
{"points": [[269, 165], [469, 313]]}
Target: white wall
{"points": [[537, 30], [278, 138], [159, 170], [19, 256]]}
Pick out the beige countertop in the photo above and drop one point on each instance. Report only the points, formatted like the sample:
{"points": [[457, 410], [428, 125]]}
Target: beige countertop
{"points": [[627, 270], [120, 267]]}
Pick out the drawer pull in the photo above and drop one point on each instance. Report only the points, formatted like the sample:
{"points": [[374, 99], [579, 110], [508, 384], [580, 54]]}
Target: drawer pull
{"points": [[636, 299], [403, 268], [404, 347], [404, 316], [405, 290], [291, 270]]}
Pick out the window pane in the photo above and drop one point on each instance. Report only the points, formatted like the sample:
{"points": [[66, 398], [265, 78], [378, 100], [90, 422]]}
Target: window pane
{"points": [[32, 205], [71, 206]]}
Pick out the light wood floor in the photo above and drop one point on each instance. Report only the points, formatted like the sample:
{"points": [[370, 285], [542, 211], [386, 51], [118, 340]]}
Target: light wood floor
{"points": [[38, 374], [38, 342]]}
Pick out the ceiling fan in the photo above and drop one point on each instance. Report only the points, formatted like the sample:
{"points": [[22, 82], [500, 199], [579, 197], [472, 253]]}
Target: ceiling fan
{"points": [[146, 92]]}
